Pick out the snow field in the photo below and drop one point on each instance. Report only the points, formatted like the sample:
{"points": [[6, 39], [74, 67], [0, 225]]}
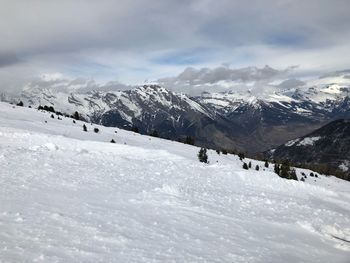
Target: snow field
{"points": [[71, 196]]}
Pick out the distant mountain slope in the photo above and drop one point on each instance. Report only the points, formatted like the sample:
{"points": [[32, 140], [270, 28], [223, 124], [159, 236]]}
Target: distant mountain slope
{"points": [[249, 120], [149, 108], [327, 146]]}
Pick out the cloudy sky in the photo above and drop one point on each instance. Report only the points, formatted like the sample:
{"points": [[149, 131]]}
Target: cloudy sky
{"points": [[136, 40]]}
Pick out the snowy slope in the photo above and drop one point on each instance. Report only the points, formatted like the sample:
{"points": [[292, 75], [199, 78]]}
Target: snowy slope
{"points": [[71, 196]]}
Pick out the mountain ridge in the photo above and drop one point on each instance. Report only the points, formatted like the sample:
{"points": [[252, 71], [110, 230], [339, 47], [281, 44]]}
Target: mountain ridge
{"points": [[249, 120], [327, 148]]}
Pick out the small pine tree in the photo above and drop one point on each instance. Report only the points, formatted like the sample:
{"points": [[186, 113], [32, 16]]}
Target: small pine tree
{"points": [[76, 116], [257, 167], [218, 152], [49, 108], [52, 116], [302, 179], [202, 155], [245, 166], [312, 174], [112, 141], [96, 130], [84, 128], [73, 121], [285, 169], [250, 165], [277, 168], [224, 151], [241, 156], [266, 164], [293, 175], [20, 104]]}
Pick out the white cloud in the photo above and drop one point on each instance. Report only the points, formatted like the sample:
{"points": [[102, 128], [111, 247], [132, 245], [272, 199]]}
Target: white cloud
{"points": [[148, 39]]}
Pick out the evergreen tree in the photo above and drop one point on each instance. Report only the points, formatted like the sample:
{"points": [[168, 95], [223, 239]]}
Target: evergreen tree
{"points": [[293, 175], [257, 167], [241, 156], [245, 166], [224, 151], [112, 141], [96, 130], [202, 155], [218, 152], [250, 165], [285, 169], [266, 164], [277, 168], [52, 116], [84, 128], [76, 116], [20, 104], [48, 108]]}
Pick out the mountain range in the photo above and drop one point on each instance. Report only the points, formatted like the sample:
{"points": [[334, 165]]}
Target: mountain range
{"points": [[252, 120]]}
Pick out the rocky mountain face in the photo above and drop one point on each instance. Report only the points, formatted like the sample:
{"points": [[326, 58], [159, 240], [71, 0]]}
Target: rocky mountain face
{"points": [[149, 108], [248, 120], [328, 147]]}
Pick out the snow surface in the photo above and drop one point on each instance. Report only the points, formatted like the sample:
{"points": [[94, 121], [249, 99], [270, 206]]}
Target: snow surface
{"points": [[309, 141], [291, 142], [71, 196], [303, 142]]}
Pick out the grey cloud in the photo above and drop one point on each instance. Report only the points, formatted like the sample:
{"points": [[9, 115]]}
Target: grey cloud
{"points": [[291, 83], [68, 26], [67, 85], [335, 74], [64, 35], [195, 81], [207, 75], [8, 60]]}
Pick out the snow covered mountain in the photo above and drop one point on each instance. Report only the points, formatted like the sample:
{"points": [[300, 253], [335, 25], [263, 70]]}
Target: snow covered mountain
{"points": [[252, 120], [72, 196], [149, 108], [328, 148]]}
